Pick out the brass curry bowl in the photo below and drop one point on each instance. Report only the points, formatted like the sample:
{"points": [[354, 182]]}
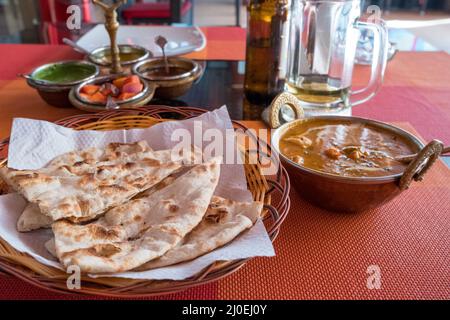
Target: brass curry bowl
{"points": [[56, 93], [172, 85], [129, 54], [353, 194]]}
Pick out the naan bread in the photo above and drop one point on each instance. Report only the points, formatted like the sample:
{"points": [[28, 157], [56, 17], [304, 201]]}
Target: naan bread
{"points": [[81, 161], [82, 192], [140, 230], [32, 219], [76, 162], [224, 220]]}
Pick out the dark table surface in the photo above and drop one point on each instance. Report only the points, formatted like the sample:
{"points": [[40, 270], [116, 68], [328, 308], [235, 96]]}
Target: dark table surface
{"points": [[221, 83]]}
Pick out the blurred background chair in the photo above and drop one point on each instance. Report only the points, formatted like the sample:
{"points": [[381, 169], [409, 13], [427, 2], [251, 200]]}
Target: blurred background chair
{"points": [[53, 15], [237, 4], [388, 5], [160, 12], [421, 3]]}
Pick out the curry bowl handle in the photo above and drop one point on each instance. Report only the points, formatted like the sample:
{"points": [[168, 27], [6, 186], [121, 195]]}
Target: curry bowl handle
{"points": [[421, 163]]}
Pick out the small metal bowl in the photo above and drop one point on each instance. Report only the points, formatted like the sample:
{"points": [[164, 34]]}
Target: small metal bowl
{"points": [[169, 86], [353, 194], [99, 55], [138, 100], [56, 93]]}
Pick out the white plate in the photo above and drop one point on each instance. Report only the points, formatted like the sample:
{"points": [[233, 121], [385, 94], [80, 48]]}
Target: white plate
{"points": [[181, 40]]}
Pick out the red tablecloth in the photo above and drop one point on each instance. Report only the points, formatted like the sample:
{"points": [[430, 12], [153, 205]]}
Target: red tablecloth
{"points": [[319, 254]]}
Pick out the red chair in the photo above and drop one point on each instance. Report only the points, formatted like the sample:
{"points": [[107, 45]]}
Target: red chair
{"points": [[172, 11], [54, 18]]}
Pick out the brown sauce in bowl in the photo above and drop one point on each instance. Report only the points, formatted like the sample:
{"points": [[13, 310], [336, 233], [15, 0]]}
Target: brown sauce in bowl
{"points": [[345, 148], [161, 72]]}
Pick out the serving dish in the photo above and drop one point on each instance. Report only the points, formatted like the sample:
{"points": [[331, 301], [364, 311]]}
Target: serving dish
{"points": [[183, 40], [138, 100], [263, 188], [55, 91], [182, 75], [355, 193]]}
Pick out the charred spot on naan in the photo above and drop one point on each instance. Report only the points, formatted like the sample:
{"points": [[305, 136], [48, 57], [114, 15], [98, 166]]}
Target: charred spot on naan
{"points": [[22, 175], [135, 180], [5, 188], [67, 207], [205, 167], [87, 179], [100, 250], [201, 168], [170, 205], [117, 150], [114, 146], [60, 225], [27, 179], [67, 169], [161, 185], [171, 231], [139, 182], [110, 190], [130, 165], [191, 156], [109, 171], [77, 158], [139, 146], [74, 209], [216, 215], [77, 233], [151, 162], [104, 250], [89, 157], [99, 232], [79, 163]]}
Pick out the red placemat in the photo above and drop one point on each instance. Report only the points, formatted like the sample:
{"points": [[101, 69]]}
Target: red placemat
{"points": [[223, 43], [416, 90]]}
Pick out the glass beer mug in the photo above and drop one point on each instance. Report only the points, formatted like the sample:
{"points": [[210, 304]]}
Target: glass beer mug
{"points": [[323, 38]]}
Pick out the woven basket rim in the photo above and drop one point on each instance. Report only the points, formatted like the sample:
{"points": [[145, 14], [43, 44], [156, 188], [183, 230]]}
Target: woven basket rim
{"points": [[16, 263]]}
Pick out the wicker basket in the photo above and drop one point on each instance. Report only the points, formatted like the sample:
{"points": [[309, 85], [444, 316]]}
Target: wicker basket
{"points": [[273, 191]]}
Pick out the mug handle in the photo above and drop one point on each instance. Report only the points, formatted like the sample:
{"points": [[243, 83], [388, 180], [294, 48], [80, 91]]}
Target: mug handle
{"points": [[379, 60]]}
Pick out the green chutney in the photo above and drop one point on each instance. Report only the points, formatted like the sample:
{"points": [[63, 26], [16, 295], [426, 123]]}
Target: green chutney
{"points": [[65, 72]]}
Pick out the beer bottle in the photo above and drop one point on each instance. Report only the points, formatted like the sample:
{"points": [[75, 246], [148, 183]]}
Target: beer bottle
{"points": [[266, 54]]}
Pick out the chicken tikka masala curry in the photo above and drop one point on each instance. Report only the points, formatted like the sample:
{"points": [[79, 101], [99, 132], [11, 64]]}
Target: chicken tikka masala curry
{"points": [[345, 148]]}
